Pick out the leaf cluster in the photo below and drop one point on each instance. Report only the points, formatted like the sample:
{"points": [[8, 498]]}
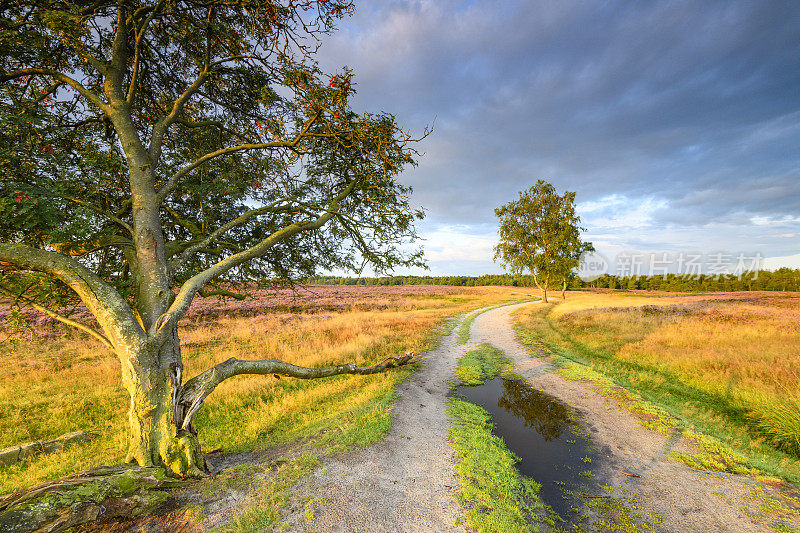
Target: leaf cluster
{"points": [[245, 135]]}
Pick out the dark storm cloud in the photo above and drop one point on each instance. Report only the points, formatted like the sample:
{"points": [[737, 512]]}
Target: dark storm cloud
{"points": [[693, 103]]}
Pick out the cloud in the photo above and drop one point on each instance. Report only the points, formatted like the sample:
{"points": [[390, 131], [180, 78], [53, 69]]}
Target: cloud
{"points": [[459, 243], [680, 120]]}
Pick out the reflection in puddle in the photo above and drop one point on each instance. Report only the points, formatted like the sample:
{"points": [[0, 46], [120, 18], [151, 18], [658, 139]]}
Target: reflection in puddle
{"points": [[542, 431], [545, 414]]}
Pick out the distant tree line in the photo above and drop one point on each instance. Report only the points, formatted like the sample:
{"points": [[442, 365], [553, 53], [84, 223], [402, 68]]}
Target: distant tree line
{"points": [[783, 279]]}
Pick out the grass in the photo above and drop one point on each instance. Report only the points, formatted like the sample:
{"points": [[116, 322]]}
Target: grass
{"points": [[495, 496], [463, 329], [722, 365], [481, 364], [262, 512], [69, 382]]}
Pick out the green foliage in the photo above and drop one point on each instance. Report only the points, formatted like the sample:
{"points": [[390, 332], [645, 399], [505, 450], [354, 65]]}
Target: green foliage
{"points": [[262, 128], [496, 497], [540, 233], [481, 364]]}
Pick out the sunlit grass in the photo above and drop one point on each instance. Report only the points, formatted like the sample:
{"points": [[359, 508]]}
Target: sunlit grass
{"points": [[495, 496], [728, 364], [483, 363], [70, 383]]}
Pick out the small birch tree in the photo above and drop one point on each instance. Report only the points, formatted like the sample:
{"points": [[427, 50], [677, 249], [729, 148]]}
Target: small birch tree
{"points": [[540, 233]]}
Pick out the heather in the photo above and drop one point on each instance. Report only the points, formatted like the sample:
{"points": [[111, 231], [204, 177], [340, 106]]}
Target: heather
{"points": [[54, 381], [300, 300]]}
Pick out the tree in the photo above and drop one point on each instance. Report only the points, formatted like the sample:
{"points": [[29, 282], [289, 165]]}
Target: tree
{"points": [[539, 232], [571, 259], [155, 151]]}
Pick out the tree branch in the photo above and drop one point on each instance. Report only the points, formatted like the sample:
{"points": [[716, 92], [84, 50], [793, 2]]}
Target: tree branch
{"points": [[100, 242], [119, 54], [61, 318], [139, 36], [183, 299], [83, 91], [99, 211], [109, 308], [179, 261], [197, 389], [221, 292], [170, 184], [161, 127]]}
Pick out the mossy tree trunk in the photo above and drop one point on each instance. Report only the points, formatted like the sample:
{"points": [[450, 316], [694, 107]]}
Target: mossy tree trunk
{"points": [[153, 381]]}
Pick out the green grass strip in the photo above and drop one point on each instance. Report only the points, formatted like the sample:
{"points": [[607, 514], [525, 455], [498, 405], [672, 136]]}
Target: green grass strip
{"points": [[481, 364], [496, 497], [463, 329]]}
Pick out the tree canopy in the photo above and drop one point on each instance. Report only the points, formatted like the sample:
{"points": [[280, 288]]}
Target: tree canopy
{"points": [[540, 233], [156, 150]]}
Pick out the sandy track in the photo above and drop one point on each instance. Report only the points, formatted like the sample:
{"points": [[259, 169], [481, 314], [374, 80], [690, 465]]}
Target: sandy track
{"points": [[687, 499], [407, 482]]}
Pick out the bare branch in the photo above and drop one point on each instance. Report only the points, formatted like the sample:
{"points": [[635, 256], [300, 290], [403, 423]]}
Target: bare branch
{"points": [[197, 389], [61, 318]]}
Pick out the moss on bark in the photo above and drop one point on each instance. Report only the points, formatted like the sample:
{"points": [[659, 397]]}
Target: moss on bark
{"points": [[104, 492]]}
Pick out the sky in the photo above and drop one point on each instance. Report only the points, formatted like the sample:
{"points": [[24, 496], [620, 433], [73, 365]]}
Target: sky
{"points": [[677, 124]]}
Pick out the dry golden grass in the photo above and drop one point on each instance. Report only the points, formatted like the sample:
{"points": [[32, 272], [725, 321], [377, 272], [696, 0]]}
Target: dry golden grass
{"points": [[66, 383], [735, 356]]}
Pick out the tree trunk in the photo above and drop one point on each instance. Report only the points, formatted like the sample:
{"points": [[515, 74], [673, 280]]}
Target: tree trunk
{"points": [[564, 289], [539, 286], [544, 288], [152, 378]]}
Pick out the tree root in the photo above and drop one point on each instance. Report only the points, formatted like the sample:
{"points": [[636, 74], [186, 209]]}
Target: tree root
{"points": [[104, 492]]}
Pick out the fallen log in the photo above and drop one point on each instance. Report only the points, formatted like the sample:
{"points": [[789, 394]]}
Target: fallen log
{"points": [[15, 454]]}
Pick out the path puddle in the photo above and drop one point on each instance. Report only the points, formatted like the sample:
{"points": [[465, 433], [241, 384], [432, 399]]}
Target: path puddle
{"points": [[543, 432]]}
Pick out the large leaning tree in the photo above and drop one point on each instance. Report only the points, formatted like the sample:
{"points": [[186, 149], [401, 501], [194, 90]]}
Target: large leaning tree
{"points": [[154, 151], [540, 233]]}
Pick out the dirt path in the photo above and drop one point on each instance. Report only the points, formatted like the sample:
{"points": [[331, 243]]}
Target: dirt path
{"points": [[408, 483], [686, 499]]}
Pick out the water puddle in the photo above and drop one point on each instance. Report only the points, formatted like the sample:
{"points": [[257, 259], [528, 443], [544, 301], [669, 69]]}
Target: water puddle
{"points": [[543, 432]]}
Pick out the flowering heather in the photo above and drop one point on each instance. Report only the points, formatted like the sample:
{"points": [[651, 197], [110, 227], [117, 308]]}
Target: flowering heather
{"points": [[302, 299]]}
